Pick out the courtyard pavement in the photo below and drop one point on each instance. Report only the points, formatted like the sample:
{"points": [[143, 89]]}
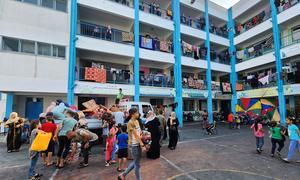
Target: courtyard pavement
{"points": [[229, 155]]}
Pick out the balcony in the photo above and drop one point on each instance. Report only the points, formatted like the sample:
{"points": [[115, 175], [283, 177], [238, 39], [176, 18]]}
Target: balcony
{"points": [[289, 48], [119, 76], [262, 21]]}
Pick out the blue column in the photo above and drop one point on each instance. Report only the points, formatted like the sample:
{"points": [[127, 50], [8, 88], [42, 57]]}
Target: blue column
{"points": [[136, 52], [9, 104], [276, 37], [72, 52], [232, 50], [208, 71], [177, 65]]}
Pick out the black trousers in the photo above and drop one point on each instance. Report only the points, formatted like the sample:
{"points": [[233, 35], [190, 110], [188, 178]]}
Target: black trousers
{"points": [[279, 142], [86, 151], [63, 147]]}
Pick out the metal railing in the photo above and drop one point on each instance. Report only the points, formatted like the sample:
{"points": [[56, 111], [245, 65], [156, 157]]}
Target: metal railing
{"points": [[200, 24], [111, 76], [200, 85], [156, 10], [119, 76], [124, 2], [287, 5], [102, 32], [250, 24], [215, 57], [286, 41], [156, 80], [271, 84], [290, 39], [157, 45]]}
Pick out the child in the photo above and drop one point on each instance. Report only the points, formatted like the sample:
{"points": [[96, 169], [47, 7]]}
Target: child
{"points": [[33, 155], [259, 134], [238, 122], [276, 138], [123, 148], [113, 130], [294, 136], [109, 148], [105, 127]]}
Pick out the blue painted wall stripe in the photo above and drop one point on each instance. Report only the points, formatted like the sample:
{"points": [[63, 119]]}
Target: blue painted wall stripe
{"points": [[9, 104], [136, 52], [177, 65], [72, 52], [276, 37], [208, 71], [232, 50]]}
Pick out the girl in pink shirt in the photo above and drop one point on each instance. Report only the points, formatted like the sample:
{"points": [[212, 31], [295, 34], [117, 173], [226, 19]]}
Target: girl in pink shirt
{"points": [[259, 134]]}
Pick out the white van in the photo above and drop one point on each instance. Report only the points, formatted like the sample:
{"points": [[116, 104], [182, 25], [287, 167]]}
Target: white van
{"points": [[143, 107]]}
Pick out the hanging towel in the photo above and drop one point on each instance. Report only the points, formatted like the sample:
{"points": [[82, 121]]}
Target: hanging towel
{"points": [[240, 54], [251, 49], [100, 75], [264, 80], [127, 37], [164, 46], [90, 74]]}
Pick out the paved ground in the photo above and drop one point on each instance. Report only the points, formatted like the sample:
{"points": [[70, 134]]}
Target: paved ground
{"points": [[230, 155]]}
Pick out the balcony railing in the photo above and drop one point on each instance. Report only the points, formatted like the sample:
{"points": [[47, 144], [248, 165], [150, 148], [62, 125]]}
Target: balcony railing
{"points": [[263, 16], [123, 2], [248, 86], [287, 5], [155, 9], [218, 57], [105, 33], [287, 40], [156, 80], [200, 24], [254, 21], [119, 76], [190, 83]]}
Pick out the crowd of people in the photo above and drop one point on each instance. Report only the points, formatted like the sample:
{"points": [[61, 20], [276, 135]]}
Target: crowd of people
{"points": [[124, 134]]}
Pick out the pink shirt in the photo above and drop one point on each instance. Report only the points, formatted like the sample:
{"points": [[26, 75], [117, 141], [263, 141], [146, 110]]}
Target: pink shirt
{"points": [[258, 133], [113, 131]]}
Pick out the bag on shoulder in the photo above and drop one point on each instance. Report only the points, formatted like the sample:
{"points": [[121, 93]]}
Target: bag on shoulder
{"points": [[41, 141]]}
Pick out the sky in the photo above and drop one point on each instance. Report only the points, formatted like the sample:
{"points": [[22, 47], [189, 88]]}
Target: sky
{"points": [[225, 3]]}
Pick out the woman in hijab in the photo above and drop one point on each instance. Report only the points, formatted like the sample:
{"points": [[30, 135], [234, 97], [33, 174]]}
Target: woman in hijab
{"points": [[173, 130], [152, 125], [14, 125]]}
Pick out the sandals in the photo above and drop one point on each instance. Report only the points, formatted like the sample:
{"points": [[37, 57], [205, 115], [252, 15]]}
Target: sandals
{"points": [[82, 165]]}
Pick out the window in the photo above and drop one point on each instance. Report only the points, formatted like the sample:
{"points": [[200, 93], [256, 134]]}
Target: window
{"points": [[61, 5], [27, 46], [31, 1], [48, 3], [59, 51], [296, 33], [10, 44], [44, 49]]}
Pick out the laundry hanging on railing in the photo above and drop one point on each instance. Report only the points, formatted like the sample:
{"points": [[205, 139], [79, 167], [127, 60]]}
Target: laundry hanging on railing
{"points": [[146, 43], [95, 74], [187, 48], [127, 37], [164, 46], [264, 80]]}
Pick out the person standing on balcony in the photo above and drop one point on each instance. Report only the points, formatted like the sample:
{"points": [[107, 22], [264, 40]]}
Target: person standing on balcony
{"points": [[120, 96], [108, 33]]}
